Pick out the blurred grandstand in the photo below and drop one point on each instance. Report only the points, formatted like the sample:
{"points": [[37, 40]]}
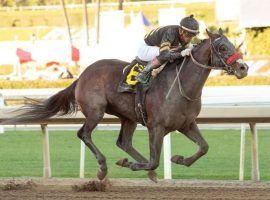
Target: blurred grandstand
{"points": [[121, 40]]}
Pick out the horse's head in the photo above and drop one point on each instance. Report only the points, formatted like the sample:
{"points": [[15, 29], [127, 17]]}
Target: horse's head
{"points": [[224, 55]]}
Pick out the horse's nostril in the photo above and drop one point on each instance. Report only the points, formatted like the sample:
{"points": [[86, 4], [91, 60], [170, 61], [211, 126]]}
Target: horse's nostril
{"points": [[243, 68]]}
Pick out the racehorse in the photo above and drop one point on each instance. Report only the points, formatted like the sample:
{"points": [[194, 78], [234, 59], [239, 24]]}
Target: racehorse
{"points": [[95, 93]]}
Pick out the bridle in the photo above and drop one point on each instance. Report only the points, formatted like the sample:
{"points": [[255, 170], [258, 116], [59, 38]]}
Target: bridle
{"points": [[228, 67], [227, 63]]}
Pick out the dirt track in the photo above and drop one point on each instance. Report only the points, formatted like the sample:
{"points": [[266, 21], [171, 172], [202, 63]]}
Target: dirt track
{"points": [[61, 189]]}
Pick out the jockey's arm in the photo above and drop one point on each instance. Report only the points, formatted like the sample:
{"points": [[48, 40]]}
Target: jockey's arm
{"points": [[166, 53], [169, 53]]}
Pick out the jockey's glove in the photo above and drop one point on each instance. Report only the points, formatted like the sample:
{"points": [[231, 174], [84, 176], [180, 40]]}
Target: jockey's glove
{"points": [[186, 52]]}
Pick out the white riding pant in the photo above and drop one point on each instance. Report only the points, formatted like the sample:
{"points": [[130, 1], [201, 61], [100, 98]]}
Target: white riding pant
{"points": [[147, 53]]}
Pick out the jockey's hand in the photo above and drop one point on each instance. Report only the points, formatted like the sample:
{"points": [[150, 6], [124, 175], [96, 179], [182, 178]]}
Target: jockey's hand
{"points": [[176, 49], [186, 52]]}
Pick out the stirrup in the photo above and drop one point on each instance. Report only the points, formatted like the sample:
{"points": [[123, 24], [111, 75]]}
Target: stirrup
{"points": [[143, 114], [144, 77]]}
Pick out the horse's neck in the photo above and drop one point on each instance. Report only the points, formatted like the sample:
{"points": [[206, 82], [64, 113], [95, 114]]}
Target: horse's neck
{"points": [[193, 76]]}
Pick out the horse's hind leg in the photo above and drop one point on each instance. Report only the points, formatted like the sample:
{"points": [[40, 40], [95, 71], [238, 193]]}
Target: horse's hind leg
{"points": [[193, 133], [85, 135]]}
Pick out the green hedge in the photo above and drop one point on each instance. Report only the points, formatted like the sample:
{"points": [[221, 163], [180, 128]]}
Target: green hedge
{"points": [[233, 81], [258, 41], [5, 84], [212, 81]]}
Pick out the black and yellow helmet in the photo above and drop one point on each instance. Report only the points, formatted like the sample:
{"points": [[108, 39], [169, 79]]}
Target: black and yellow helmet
{"points": [[190, 24]]}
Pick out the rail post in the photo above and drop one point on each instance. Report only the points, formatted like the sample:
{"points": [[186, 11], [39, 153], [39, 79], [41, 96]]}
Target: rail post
{"points": [[242, 152], [254, 152], [46, 151], [167, 157]]}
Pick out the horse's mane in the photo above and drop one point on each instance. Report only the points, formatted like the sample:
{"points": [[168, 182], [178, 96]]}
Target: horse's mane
{"points": [[198, 45]]}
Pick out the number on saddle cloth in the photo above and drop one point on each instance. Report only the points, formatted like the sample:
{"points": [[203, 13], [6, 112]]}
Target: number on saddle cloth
{"points": [[128, 81], [133, 73]]}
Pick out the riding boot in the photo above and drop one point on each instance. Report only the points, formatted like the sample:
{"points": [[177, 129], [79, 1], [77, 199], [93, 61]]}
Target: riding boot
{"points": [[145, 75]]}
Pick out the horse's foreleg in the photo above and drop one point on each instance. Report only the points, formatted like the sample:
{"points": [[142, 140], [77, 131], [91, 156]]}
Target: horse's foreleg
{"points": [[156, 135], [125, 142], [85, 135], [193, 134]]}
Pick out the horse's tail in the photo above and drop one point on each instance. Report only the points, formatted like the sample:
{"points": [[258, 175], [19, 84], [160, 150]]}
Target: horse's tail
{"points": [[61, 103]]}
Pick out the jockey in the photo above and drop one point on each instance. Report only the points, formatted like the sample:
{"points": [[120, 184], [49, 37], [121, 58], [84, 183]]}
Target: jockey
{"points": [[166, 44]]}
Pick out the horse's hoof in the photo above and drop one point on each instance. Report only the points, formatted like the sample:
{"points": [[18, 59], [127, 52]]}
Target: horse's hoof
{"points": [[152, 175], [122, 162], [187, 162], [134, 166], [101, 174], [178, 159]]}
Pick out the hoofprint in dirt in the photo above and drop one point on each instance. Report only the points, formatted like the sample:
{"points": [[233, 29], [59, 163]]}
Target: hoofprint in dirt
{"points": [[60, 189]]}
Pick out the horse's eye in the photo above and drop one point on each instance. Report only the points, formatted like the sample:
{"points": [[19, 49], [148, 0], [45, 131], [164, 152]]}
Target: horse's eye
{"points": [[223, 48]]}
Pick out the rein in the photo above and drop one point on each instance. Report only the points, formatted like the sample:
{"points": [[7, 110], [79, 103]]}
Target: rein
{"points": [[181, 90], [202, 65], [227, 64], [176, 77]]}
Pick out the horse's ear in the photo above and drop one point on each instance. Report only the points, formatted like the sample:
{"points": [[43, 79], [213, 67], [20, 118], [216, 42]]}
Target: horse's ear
{"points": [[239, 46], [220, 31], [209, 33]]}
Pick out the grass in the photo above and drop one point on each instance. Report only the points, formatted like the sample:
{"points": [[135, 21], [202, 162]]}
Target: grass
{"points": [[21, 155], [23, 33], [29, 18], [6, 69]]}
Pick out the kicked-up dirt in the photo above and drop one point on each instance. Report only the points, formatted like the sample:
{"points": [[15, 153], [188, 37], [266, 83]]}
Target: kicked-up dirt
{"points": [[65, 189]]}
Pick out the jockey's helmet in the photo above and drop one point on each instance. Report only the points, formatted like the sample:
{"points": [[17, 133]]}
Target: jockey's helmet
{"points": [[190, 25]]}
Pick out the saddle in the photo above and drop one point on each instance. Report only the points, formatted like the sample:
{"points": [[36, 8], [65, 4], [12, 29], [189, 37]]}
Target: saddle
{"points": [[130, 84]]}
